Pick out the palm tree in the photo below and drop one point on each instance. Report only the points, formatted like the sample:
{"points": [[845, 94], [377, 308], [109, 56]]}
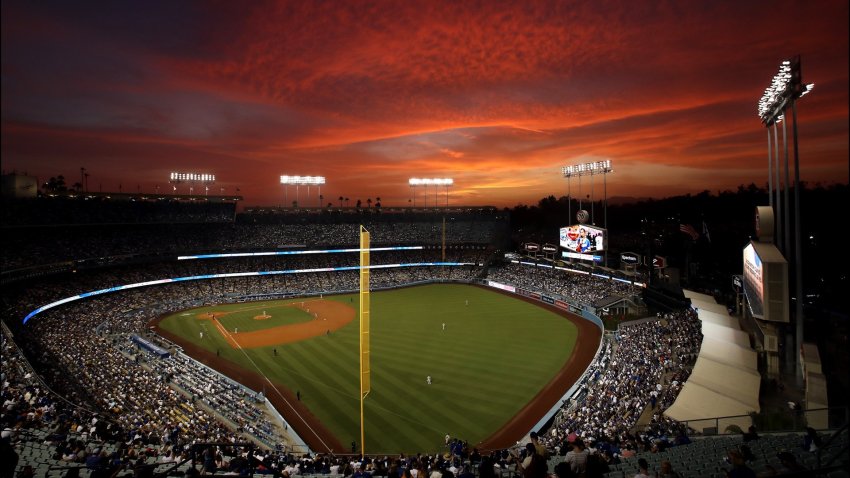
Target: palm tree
{"points": [[340, 201], [77, 187], [50, 185], [369, 202], [378, 202], [359, 203], [346, 202], [321, 198]]}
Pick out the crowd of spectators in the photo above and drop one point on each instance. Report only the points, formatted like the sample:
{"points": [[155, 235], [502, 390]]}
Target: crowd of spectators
{"points": [[642, 367], [159, 407], [83, 348], [25, 298], [71, 435], [576, 288], [37, 246], [645, 364], [57, 211]]}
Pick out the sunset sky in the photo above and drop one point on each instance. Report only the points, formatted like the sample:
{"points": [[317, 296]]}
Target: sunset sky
{"points": [[497, 95]]}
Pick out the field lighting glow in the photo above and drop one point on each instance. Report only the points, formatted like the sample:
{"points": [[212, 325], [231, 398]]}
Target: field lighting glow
{"points": [[785, 86], [431, 181], [203, 177], [597, 167], [302, 180], [235, 274]]}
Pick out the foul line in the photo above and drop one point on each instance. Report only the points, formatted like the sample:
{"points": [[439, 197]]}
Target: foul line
{"points": [[272, 385]]}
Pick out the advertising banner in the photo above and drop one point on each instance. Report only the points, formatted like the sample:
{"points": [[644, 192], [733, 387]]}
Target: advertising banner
{"points": [[753, 281], [738, 283], [630, 258], [497, 285], [585, 257]]}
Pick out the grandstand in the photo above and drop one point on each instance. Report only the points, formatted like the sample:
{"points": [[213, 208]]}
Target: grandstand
{"points": [[80, 392]]}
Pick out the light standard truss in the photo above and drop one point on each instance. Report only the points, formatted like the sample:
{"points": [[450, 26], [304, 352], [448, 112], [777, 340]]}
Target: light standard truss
{"points": [[298, 181], [588, 169], [436, 182], [206, 179]]}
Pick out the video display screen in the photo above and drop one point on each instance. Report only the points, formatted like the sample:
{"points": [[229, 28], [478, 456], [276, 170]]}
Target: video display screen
{"points": [[582, 238]]}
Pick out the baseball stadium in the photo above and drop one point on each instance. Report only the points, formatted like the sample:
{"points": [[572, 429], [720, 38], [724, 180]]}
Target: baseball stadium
{"points": [[307, 338], [440, 239]]}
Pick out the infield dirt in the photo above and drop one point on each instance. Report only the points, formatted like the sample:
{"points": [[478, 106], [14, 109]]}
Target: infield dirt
{"points": [[328, 316]]}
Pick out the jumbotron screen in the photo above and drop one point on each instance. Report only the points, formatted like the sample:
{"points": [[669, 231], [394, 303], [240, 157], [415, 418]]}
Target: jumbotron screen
{"points": [[582, 239]]}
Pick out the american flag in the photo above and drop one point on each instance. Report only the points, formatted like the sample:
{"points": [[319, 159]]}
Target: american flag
{"points": [[689, 230]]}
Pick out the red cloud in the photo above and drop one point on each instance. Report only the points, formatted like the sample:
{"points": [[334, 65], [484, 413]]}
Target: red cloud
{"points": [[496, 95]]}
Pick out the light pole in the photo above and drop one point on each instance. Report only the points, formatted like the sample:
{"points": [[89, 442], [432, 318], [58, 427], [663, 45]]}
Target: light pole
{"points": [[298, 181], [206, 179], [569, 196], [777, 183], [785, 89], [589, 169], [436, 182]]}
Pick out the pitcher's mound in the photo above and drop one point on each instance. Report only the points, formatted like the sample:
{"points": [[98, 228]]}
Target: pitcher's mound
{"points": [[262, 317]]}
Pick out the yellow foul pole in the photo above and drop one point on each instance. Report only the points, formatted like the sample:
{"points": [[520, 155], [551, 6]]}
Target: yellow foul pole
{"points": [[365, 371]]}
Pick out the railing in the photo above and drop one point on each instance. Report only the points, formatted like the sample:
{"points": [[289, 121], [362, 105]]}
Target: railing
{"points": [[790, 421]]}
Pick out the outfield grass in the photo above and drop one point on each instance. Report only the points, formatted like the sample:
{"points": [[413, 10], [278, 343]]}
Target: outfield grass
{"points": [[494, 356]]}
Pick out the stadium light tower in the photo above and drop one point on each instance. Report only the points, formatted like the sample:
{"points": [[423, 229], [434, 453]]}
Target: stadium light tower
{"points": [[588, 169], [299, 181], [785, 89], [204, 178], [436, 182]]}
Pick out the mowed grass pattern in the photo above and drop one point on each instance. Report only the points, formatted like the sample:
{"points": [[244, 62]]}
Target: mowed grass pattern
{"points": [[494, 355]]}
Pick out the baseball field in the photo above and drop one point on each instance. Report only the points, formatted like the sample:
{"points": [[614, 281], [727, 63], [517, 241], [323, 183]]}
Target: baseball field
{"points": [[488, 356]]}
